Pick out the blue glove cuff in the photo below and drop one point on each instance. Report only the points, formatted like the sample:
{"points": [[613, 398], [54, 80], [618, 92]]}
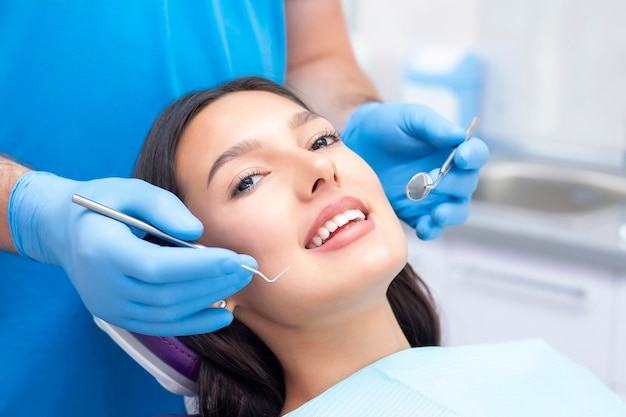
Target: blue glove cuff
{"points": [[26, 202], [16, 202]]}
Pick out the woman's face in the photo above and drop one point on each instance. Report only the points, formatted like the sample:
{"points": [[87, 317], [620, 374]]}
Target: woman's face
{"points": [[269, 179]]}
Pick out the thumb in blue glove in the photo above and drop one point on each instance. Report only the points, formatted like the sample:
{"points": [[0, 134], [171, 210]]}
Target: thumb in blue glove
{"points": [[121, 278], [398, 140]]}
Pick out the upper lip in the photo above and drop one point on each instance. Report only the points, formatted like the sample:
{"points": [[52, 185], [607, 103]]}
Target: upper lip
{"points": [[331, 210]]}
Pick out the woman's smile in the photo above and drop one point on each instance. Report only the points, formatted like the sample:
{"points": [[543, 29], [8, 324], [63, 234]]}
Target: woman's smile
{"points": [[339, 224]]}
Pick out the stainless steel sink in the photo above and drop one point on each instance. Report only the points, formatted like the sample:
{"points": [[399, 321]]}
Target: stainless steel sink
{"points": [[550, 188]]}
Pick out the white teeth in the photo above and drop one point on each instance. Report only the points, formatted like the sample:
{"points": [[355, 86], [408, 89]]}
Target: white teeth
{"points": [[317, 241], [341, 220], [332, 225], [354, 214], [323, 233]]}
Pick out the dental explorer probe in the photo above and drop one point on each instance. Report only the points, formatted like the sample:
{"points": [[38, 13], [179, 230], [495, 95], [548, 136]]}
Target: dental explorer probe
{"points": [[421, 184], [145, 227]]}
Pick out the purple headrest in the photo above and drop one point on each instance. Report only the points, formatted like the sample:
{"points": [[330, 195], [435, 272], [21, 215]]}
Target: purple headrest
{"points": [[174, 353], [173, 364]]}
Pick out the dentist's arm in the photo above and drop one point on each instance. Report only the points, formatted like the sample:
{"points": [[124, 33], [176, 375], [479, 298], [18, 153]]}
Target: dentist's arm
{"points": [[321, 66], [9, 173], [120, 277], [397, 140]]}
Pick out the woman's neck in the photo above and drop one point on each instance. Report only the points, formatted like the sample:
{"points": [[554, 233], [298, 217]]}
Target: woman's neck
{"points": [[316, 359]]}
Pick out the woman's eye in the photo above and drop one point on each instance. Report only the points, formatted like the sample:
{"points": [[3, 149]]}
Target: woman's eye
{"points": [[247, 183], [325, 141]]}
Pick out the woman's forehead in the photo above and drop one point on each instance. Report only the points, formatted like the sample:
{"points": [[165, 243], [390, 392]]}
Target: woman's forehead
{"points": [[238, 116], [246, 104], [242, 115]]}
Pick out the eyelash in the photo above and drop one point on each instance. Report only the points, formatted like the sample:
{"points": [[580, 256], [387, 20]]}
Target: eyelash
{"points": [[236, 192], [327, 134]]}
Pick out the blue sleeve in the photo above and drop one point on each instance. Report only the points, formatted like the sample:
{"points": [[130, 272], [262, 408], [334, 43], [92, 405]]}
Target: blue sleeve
{"points": [[81, 83]]}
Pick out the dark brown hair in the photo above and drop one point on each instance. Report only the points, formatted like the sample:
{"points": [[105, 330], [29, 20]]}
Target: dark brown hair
{"points": [[239, 375]]}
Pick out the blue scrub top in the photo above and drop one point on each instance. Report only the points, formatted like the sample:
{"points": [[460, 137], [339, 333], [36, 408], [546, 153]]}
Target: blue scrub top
{"points": [[81, 83]]}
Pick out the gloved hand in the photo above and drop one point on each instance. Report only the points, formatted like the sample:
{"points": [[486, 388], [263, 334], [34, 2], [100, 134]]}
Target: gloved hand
{"points": [[399, 140], [122, 279]]}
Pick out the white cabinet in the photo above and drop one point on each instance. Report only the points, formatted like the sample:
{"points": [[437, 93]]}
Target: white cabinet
{"points": [[619, 377], [492, 294]]}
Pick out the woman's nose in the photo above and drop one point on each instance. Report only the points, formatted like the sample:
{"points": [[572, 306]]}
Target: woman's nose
{"points": [[316, 172]]}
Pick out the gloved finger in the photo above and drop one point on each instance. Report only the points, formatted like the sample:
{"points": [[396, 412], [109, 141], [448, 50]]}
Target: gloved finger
{"points": [[205, 321], [431, 127], [165, 314], [155, 264], [426, 229], [472, 154], [457, 184], [203, 291], [157, 302], [160, 208], [451, 213]]}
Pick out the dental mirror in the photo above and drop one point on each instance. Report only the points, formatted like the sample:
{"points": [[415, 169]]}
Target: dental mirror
{"points": [[419, 186], [422, 183]]}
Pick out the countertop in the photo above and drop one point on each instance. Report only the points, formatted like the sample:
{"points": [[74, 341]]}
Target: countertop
{"points": [[596, 237]]}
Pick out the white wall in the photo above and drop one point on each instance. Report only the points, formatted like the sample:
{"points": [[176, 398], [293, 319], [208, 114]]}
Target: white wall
{"points": [[555, 70], [383, 32]]}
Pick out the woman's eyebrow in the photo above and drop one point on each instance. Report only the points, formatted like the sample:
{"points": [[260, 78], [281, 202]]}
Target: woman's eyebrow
{"points": [[248, 145], [235, 151], [300, 118]]}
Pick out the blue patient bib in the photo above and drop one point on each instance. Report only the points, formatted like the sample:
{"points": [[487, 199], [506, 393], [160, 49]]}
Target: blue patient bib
{"points": [[514, 379]]}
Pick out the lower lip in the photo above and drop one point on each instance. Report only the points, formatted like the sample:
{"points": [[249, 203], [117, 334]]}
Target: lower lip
{"points": [[347, 235]]}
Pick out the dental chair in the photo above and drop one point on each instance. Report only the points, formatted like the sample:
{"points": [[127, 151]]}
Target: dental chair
{"points": [[173, 364]]}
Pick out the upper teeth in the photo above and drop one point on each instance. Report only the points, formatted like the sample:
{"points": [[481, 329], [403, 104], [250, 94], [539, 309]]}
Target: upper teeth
{"points": [[340, 220]]}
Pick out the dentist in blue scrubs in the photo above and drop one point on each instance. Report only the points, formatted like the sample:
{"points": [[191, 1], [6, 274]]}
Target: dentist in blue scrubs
{"points": [[81, 83]]}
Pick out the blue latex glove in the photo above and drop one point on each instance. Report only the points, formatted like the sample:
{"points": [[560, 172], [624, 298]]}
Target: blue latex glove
{"points": [[121, 278], [399, 140]]}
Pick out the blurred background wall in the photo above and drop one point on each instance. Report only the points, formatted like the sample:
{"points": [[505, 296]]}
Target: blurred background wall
{"points": [[554, 70], [543, 252]]}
